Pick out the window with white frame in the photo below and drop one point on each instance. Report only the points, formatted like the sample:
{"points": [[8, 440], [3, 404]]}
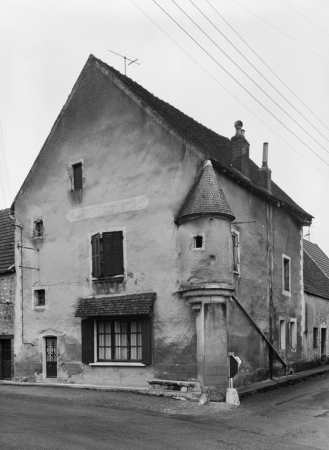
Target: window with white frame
{"points": [[198, 241], [282, 331], [236, 251], [293, 334], [286, 275]]}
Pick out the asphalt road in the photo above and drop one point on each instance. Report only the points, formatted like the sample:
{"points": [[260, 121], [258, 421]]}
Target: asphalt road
{"points": [[294, 418]]}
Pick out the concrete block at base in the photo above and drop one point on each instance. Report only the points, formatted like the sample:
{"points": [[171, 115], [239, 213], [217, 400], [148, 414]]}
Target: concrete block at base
{"points": [[232, 397]]}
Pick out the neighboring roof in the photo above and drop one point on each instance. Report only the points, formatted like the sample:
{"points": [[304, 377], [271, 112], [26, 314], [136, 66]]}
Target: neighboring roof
{"points": [[315, 281], [205, 198], [120, 305], [7, 242], [213, 145], [320, 258]]}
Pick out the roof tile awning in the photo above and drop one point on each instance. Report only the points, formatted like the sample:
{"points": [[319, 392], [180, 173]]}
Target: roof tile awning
{"points": [[120, 305]]}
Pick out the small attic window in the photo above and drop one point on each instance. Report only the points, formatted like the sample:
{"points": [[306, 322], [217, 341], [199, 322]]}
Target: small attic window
{"points": [[38, 228], [198, 242], [77, 176]]}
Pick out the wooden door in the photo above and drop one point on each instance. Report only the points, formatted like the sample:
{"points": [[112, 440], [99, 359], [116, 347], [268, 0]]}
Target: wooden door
{"points": [[6, 359], [323, 344], [51, 357]]}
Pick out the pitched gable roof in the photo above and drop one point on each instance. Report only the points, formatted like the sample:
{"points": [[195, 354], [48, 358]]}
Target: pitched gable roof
{"points": [[206, 197], [317, 255], [315, 281], [211, 144], [7, 242]]}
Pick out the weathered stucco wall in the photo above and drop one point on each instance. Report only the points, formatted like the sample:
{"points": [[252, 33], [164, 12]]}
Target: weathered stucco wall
{"points": [[126, 155]]}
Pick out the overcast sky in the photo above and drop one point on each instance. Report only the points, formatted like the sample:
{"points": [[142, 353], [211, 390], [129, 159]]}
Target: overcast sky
{"points": [[44, 45]]}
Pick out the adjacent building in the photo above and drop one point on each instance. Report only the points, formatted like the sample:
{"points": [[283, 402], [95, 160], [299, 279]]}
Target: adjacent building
{"points": [[150, 247], [7, 294]]}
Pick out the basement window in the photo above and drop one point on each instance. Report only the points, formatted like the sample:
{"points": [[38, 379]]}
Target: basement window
{"points": [[39, 297], [293, 334], [315, 338], [282, 334]]}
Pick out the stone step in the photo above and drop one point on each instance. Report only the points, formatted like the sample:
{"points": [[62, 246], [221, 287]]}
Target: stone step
{"points": [[175, 385]]}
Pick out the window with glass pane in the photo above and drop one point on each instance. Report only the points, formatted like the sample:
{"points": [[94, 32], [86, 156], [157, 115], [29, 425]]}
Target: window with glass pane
{"points": [[120, 340]]}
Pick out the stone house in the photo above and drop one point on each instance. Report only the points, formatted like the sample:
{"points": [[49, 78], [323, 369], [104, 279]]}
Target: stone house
{"points": [[152, 247], [316, 287], [7, 294]]}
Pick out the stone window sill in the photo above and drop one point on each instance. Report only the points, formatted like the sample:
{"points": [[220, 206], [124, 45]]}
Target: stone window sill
{"points": [[117, 364]]}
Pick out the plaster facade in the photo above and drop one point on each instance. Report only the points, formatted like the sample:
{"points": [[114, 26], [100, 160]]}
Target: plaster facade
{"points": [[136, 174]]}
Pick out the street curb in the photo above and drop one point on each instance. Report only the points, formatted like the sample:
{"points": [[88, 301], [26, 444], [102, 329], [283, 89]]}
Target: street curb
{"points": [[276, 383]]}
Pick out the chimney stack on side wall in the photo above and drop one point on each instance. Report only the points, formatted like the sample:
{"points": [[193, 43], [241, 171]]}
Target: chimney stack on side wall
{"points": [[264, 173], [240, 150]]}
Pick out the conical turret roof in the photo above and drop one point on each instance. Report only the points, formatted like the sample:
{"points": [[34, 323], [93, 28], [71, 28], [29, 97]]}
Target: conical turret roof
{"points": [[205, 198]]}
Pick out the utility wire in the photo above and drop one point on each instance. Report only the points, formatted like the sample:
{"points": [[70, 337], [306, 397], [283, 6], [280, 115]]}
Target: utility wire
{"points": [[230, 93], [245, 73], [308, 20], [305, 118], [226, 71], [280, 31], [250, 48]]}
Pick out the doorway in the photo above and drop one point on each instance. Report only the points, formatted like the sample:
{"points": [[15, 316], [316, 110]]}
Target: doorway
{"points": [[51, 357], [5, 359], [323, 344]]}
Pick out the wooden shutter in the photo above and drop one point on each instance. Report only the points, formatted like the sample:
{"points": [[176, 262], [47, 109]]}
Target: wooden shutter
{"points": [[146, 340], [87, 341], [113, 253], [96, 255]]}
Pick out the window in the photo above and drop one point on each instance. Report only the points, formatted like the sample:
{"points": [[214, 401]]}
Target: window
{"points": [[115, 341], [293, 334], [282, 334], [38, 228], [119, 340], [286, 275], [77, 176], [198, 242], [107, 254], [315, 338], [235, 249], [40, 297]]}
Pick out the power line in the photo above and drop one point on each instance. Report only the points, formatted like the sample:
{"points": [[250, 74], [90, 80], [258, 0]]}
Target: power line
{"points": [[308, 20], [305, 118], [280, 31], [259, 87], [230, 93], [226, 71], [220, 15]]}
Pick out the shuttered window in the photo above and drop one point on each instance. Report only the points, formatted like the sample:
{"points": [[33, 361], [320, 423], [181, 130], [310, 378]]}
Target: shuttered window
{"points": [[118, 340], [107, 254]]}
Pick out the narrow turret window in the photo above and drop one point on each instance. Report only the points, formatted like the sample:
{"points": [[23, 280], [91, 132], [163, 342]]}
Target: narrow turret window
{"points": [[198, 242]]}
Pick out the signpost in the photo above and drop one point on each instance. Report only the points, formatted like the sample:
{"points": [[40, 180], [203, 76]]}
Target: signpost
{"points": [[233, 363]]}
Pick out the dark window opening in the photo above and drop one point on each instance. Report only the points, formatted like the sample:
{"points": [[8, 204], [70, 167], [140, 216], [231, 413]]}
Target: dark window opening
{"points": [[38, 228], [198, 241], [235, 246], [40, 297], [107, 254], [315, 338], [286, 274], [77, 176]]}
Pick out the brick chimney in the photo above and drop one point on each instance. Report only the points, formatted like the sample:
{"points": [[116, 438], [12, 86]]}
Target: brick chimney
{"points": [[240, 150], [264, 173]]}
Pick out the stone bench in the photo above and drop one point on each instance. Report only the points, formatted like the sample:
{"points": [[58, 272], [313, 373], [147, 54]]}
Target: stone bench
{"points": [[172, 385]]}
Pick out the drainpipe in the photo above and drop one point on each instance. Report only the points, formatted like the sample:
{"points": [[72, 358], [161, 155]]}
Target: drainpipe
{"points": [[261, 333]]}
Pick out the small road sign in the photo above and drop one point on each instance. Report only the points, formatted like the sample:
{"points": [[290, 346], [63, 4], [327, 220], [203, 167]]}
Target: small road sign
{"points": [[234, 364]]}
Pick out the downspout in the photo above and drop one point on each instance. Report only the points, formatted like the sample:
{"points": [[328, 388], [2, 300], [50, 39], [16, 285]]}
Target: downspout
{"points": [[260, 332]]}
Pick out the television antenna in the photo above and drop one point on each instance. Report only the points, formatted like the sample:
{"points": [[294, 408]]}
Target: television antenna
{"points": [[132, 61]]}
